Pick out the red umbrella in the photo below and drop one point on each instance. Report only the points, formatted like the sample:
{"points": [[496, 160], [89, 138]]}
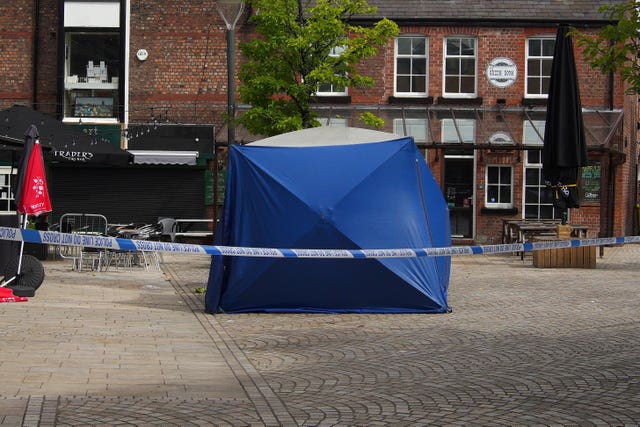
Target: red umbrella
{"points": [[32, 198], [6, 295], [32, 194]]}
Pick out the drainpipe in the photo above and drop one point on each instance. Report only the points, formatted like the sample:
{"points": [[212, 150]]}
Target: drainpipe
{"points": [[609, 209], [612, 197], [611, 82], [35, 53], [62, 54]]}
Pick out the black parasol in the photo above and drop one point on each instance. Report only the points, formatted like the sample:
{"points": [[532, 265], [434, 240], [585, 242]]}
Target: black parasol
{"points": [[565, 148]]}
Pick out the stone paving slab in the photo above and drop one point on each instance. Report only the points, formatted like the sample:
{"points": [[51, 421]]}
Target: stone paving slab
{"points": [[523, 346]]}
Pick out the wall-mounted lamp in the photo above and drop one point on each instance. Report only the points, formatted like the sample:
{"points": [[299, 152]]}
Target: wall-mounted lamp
{"points": [[142, 54]]}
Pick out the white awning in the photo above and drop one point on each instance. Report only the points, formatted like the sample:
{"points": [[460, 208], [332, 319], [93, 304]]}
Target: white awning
{"points": [[159, 157]]}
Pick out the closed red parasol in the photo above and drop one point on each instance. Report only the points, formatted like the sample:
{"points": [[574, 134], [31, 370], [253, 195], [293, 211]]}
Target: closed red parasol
{"points": [[25, 273], [32, 195]]}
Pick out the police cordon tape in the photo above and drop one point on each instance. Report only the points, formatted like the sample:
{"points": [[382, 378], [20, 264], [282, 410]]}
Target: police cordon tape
{"points": [[115, 243]]}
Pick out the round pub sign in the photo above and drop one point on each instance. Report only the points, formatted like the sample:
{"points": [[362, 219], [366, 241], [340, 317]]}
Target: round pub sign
{"points": [[502, 72]]}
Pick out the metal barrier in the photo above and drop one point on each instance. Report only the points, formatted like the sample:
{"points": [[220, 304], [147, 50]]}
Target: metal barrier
{"points": [[84, 224]]}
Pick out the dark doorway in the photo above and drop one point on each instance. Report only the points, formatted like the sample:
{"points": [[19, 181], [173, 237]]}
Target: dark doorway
{"points": [[458, 192]]}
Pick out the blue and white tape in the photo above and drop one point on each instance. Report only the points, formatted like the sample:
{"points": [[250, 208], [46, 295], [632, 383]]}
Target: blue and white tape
{"points": [[114, 243]]}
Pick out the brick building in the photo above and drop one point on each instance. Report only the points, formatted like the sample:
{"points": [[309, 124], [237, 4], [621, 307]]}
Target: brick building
{"points": [[467, 79]]}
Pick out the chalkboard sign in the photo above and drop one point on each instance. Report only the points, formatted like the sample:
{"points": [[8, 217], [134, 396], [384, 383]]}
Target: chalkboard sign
{"points": [[209, 188], [222, 185], [591, 183]]}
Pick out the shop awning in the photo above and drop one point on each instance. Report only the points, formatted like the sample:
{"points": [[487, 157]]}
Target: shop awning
{"points": [[68, 145], [8, 143], [163, 157]]}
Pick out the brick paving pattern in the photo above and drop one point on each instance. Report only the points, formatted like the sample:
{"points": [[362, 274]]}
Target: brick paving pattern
{"points": [[523, 346]]}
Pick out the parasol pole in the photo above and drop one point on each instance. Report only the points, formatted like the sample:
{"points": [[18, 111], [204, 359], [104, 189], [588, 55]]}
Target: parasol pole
{"points": [[5, 283], [24, 226]]}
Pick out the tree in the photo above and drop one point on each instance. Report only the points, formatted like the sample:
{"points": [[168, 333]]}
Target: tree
{"points": [[290, 58], [615, 47]]}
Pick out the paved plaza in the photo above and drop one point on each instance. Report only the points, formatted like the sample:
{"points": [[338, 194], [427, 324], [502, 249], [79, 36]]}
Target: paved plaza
{"points": [[523, 346]]}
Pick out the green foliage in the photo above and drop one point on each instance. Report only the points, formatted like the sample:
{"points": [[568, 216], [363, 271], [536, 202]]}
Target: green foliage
{"points": [[372, 120], [615, 47], [285, 64]]}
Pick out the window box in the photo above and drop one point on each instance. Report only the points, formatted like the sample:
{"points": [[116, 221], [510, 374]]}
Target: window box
{"points": [[459, 101], [426, 100], [499, 211]]}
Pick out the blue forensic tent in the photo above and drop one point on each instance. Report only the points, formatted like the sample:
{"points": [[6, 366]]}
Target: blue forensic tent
{"points": [[331, 188]]}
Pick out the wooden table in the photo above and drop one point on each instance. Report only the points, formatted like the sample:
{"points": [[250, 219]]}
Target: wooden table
{"points": [[580, 257], [522, 231]]}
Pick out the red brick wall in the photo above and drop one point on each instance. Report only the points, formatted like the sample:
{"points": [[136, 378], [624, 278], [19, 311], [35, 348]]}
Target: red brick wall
{"points": [[16, 41], [48, 56], [185, 75], [492, 43], [17, 27]]}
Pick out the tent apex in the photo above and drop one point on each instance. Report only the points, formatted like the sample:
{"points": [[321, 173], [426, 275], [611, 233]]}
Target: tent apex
{"points": [[325, 136]]}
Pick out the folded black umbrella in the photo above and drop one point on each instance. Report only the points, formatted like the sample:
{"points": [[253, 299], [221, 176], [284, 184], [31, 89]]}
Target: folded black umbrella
{"points": [[565, 148]]}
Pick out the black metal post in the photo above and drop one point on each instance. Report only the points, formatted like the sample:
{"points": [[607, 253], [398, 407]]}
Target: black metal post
{"points": [[231, 85]]}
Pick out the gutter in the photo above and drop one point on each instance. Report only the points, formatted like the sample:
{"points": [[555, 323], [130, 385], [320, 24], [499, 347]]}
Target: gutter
{"points": [[35, 54], [488, 22]]}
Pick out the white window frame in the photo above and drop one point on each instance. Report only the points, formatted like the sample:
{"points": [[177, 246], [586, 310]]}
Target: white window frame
{"points": [[459, 57], [415, 127], [539, 59], [531, 138], [7, 176], [498, 204], [335, 52], [466, 127], [73, 83], [411, 57], [92, 14]]}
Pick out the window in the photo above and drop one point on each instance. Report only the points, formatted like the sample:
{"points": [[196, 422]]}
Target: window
{"points": [[499, 184], [458, 130], [537, 199], [330, 89], [92, 59], [338, 122], [6, 192], [460, 67], [539, 53], [92, 65], [411, 66], [417, 128]]}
